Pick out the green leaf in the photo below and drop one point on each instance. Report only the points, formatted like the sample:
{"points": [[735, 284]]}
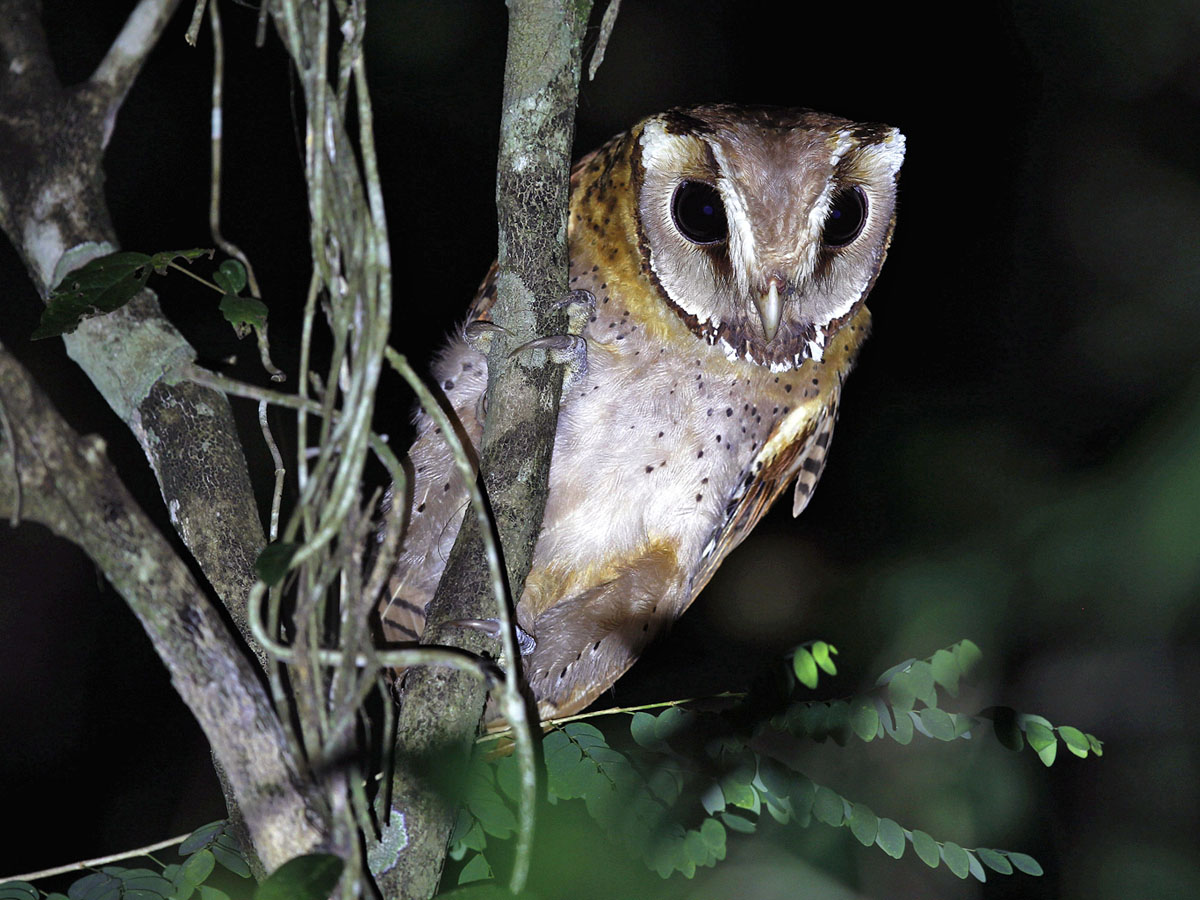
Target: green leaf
{"points": [[945, 671], [1096, 746], [864, 718], [738, 793], [864, 824], [737, 823], [18, 890], [309, 877], [508, 777], [901, 694], [97, 886], [197, 867], [813, 718], [208, 892], [694, 848], [955, 858], [712, 799], [1024, 719], [805, 668], [968, 656], [891, 673], [476, 869], [780, 809], [666, 784], [202, 837], [890, 838], [488, 807], [828, 807], [802, 795], [1042, 740], [1004, 720], [243, 313], [562, 760], [713, 834], [963, 724], [837, 722], [927, 848], [1023, 863], [641, 727], [670, 722], [101, 286], [822, 653], [229, 854], [160, 260], [921, 682], [774, 778], [231, 277], [474, 838], [272, 563], [976, 867], [937, 723], [1075, 740], [902, 733], [995, 861]]}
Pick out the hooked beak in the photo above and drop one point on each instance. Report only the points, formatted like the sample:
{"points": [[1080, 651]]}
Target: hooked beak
{"points": [[770, 310]]}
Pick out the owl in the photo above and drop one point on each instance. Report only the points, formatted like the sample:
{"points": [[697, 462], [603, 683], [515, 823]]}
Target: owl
{"points": [[729, 251]]}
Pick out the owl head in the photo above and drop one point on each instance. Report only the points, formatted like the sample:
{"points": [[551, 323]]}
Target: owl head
{"points": [[764, 229]]}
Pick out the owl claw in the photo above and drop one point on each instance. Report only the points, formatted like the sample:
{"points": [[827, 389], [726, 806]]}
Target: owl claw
{"points": [[579, 305], [479, 335], [567, 350]]}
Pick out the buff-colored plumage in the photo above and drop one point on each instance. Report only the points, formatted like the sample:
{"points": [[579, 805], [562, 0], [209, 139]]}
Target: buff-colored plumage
{"points": [[714, 371]]}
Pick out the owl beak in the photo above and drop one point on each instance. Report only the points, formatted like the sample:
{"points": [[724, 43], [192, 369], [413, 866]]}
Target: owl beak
{"points": [[770, 310]]}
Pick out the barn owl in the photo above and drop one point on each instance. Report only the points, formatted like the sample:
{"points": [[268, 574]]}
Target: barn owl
{"points": [[729, 251]]}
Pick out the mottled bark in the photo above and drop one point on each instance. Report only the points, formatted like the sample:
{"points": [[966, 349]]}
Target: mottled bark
{"points": [[52, 475], [52, 208], [441, 708]]}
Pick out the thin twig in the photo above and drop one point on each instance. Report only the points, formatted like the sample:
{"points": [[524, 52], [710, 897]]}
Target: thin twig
{"points": [[606, 29], [193, 31], [280, 471], [127, 53], [612, 711], [216, 135], [98, 861]]}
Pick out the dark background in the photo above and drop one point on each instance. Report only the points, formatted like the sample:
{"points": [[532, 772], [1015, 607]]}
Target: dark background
{"points": [[1017, 459]]}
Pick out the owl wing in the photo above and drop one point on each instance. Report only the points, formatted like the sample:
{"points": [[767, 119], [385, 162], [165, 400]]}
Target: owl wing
{"points": [[796, 449], [403, 610]]}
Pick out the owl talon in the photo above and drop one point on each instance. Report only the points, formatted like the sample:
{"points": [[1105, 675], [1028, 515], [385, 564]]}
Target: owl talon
{"points": [[525, 641], [479, 335], [579, 304], [567, 350]]}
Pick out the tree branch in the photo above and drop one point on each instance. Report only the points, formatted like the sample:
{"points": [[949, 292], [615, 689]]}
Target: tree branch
{"points": [[120, 66], [67, 484], [52, 208], [441, 709]]}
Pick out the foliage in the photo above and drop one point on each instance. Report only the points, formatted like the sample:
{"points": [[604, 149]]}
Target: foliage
{"points": [[107, 283], [689, 777], [202, 850]]}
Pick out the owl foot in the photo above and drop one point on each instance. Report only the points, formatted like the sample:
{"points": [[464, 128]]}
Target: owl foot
{"points": [[479, 335], [567, 350], [525, 641], [579, 306]]}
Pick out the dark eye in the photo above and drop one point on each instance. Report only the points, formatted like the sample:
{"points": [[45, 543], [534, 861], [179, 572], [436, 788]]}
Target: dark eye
{"points": [[847, 216], [699, 213]]}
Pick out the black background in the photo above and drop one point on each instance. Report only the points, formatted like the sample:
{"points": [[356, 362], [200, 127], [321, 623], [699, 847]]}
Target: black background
{"points": [[1017, 459]]}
